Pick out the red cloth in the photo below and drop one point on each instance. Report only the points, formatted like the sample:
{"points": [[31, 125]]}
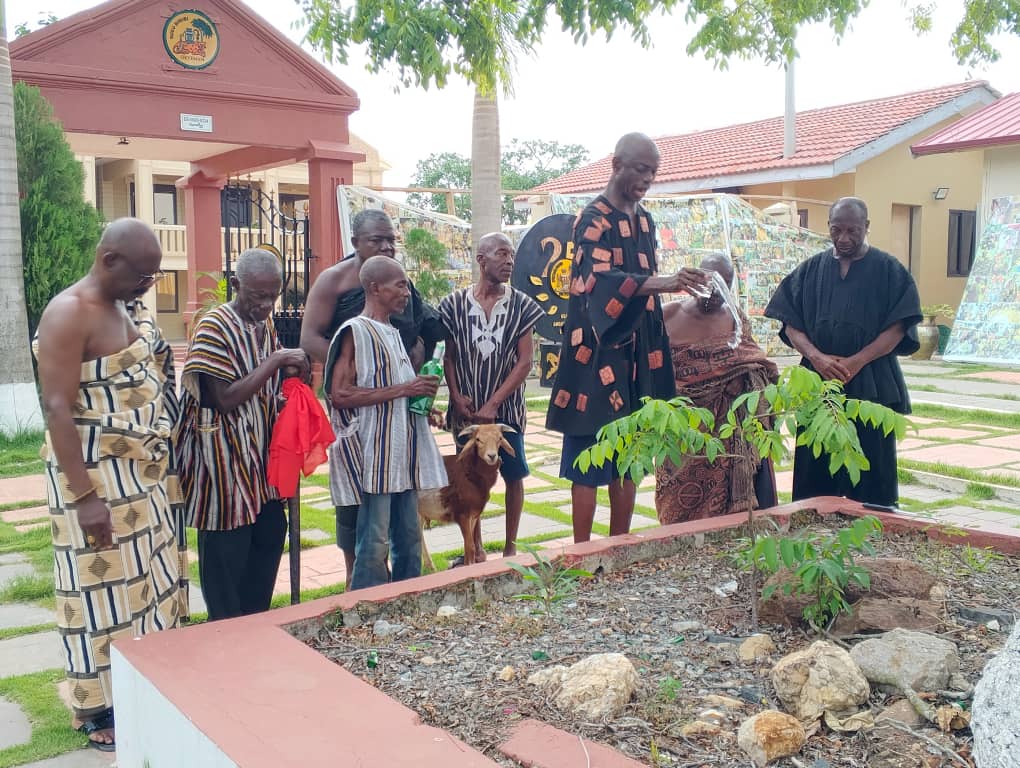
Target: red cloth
{"points": [[300, 438]]}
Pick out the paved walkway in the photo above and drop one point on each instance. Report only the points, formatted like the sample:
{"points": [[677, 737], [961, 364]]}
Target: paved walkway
{"points": [[982, 448]]}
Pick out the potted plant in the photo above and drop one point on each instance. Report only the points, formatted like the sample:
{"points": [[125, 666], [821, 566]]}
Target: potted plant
{"points": [[928, 331]]}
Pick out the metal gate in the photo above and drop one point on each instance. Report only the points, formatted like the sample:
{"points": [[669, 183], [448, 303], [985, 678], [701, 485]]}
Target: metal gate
{"points": [[253, 219]]}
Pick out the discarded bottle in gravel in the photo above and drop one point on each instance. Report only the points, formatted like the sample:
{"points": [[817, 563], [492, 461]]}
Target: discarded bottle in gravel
{"points": [[422, 404], [373, 659]]}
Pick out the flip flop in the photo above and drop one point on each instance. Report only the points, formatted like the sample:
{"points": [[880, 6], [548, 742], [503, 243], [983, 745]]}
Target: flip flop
{"points": [[101, 722], [456, 562]]}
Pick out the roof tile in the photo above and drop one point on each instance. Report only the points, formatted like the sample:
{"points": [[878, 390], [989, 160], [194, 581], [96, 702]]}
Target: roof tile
{"points": [[994, 125], [823, 136]]}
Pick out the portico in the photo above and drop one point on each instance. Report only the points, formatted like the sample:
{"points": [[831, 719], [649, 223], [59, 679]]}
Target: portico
{"points": [[164, 106]]}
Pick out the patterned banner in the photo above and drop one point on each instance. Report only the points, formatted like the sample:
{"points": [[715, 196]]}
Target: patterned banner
{"points": [[691, 227], [987, 326]]}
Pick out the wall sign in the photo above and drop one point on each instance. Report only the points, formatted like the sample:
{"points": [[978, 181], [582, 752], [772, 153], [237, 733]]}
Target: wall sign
{"points": [[191, 39], [200, 123]]}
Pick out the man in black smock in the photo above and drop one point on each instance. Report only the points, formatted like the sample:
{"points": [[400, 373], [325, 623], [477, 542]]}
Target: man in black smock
{"points": [[850, 311], [614, 350]]}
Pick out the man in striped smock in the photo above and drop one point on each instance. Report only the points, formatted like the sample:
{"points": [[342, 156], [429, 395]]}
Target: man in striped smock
{"points": [[488, 358], [108, 391], [228, 408], [389, 453]]}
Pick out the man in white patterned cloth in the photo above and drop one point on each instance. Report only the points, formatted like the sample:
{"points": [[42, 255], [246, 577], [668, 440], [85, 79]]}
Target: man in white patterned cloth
{"points": [[388, 453], [489, 354]]}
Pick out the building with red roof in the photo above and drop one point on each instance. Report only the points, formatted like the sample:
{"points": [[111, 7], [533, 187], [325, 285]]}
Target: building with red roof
{"points": [[861, 149]]}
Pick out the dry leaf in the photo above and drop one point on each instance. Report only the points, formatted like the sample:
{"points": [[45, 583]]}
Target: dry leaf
{"points": [[950, 717], [849, 721]]}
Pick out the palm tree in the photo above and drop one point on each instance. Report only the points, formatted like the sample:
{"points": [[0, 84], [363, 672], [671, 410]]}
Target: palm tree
{"points": [[486, 202], [19, 403]]}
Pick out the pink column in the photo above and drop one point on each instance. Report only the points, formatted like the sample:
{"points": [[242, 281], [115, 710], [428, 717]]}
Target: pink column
{"points": [[204, 238], [324, 175]]}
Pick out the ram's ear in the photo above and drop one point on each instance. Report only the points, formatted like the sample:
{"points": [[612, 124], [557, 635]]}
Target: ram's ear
{"points": [[507, 447], [467, 449]]}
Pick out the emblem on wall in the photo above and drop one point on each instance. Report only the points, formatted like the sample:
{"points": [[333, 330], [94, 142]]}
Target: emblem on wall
{"points": [[542, 270], [191, 39]]}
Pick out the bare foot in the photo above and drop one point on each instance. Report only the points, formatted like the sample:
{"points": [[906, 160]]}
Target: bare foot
{"points": [[510, 550], [480, 556]]}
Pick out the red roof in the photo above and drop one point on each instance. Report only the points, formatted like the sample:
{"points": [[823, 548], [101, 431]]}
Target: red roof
{"points": [[823, 136], [994, 125]]}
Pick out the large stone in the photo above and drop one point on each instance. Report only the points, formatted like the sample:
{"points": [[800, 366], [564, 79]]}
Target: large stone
{"points": [[995, 716], [756, 647], [595, 687], [881, 614], [890, 577], [819, 678], [903, 657], [770, 735], [901, 711]]}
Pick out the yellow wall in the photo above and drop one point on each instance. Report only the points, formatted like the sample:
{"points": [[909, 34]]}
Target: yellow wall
{"points": [[897, 178]]}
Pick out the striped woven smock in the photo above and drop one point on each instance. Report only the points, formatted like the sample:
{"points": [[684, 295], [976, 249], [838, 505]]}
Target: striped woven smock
{"points": [[223, 457], [123, 415], [383, 448]]}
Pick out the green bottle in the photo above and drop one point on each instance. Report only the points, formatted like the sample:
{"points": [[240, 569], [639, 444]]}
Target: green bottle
{"points": [[422, 404]]}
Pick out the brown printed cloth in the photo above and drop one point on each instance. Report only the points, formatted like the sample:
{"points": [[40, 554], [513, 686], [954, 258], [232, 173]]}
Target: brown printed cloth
{"points": [[614, 348], [713, 375], [124, 413]]}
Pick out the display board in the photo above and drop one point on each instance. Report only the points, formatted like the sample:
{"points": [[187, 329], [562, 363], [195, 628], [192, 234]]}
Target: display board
{"points": [[690, 227], [987, 325]]}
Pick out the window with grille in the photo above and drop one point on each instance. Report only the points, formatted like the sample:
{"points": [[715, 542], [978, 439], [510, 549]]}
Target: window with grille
{"points": [[962, 226]]}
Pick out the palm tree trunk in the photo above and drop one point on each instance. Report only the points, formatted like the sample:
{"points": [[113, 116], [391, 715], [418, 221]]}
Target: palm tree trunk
{"points": [[486, 203], [19, 403]]}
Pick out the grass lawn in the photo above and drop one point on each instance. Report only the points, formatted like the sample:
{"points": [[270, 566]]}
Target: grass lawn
{"points": [[19, 455], [50, 718]]}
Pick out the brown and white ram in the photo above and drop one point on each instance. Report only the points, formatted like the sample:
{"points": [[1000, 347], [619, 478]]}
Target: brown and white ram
{"points": [[471, 473]]}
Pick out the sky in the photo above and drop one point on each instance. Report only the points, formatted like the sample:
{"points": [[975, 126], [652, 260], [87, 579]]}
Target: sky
{"points": [[660, 91]]}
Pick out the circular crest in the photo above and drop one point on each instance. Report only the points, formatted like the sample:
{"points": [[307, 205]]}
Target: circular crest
{"points": [[542, 270], [191, 39]]}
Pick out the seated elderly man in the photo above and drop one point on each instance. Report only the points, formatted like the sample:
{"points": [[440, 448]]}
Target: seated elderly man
{"points": [[386, 452], [228, 408], [712, 370]]}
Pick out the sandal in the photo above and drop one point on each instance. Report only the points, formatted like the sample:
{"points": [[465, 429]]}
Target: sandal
{"points": [[101, 722], [456, 562]]}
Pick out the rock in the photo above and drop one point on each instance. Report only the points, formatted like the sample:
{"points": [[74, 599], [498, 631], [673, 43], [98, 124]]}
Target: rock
{"points": [[726, 588], [605, 631], [923, 662], [819, 678], [981, 615], [595, 687], [549, 677], [770, 735], [993, 625], [446, 611], [902, 711], [680, 627], [756, 647], [507, 674], [881, 614], [713, 716], [383, 628], [429, 661], [700, 728], [890, 577], [995, 714], [723, 702]]}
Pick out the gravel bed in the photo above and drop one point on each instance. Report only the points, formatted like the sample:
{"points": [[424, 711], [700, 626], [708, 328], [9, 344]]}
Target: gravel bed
{"points": [[467, 673]]}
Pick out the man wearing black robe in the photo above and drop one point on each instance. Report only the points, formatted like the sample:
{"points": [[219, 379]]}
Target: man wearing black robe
{"points": [[614, 350], [850, 311]]}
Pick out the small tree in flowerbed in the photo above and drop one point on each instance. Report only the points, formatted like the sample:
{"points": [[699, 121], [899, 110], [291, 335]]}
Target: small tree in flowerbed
{"points": [[817, 412], [425, 258]]}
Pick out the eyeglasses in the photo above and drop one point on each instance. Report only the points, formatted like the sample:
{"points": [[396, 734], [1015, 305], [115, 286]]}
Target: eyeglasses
{"points": [[153, 278]]}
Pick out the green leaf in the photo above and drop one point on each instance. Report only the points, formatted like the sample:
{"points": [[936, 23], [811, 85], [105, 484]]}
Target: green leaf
{"points": [[787, 551], [770, 555]]}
